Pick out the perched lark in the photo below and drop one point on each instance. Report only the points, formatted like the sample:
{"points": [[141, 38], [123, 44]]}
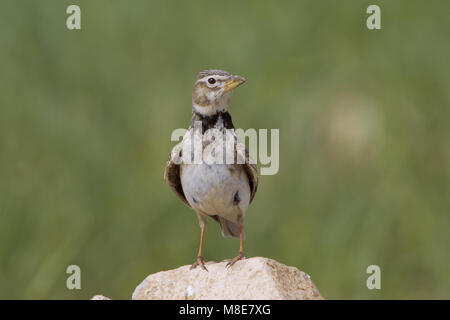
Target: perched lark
{"points": [[221, 191]]}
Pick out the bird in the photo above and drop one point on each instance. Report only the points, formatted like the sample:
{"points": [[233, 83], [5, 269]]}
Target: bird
{"points": [[221, 191]]}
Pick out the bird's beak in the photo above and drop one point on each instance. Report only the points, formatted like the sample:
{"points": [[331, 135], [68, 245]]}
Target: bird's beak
{"points": [[233, 83]]}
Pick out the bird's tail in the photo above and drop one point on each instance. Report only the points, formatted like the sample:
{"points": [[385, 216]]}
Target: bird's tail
{"points": [[229, 228]]}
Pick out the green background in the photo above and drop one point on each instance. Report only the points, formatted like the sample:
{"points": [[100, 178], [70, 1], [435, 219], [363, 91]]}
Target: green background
{"points": [[86, 118]]}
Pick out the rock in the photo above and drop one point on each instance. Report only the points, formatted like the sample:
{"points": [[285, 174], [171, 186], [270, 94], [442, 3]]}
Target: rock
{"points": [[249, 279], [100, 297]]}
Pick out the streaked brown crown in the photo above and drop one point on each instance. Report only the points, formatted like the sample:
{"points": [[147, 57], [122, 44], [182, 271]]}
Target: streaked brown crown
{"points": [[212, 72]]}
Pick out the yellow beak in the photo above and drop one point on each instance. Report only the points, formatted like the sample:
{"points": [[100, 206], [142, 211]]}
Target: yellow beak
{"points": [[233, 83]]}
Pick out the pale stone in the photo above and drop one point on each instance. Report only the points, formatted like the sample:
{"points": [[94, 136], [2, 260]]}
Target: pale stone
{"points": [[249, 279], [100, 297]]}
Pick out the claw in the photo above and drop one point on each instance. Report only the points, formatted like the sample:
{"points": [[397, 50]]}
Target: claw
{"points": [[235, 259], [199, 262]]}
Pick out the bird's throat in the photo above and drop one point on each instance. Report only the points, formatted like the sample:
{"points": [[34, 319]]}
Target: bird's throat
{"points": [[221, 119]]}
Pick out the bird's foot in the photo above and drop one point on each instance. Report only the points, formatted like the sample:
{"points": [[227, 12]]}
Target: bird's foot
{"points": [[240, 256], [199, 262]]}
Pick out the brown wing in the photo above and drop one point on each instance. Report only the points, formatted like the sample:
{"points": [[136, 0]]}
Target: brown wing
{"points": [[252, 173], [172, 176], [250, 168]]}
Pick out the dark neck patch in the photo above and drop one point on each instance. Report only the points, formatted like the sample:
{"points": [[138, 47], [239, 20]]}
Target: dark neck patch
{"points": [[209, 122]]}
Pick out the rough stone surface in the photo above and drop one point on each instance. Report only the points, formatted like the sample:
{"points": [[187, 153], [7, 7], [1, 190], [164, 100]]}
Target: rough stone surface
{"points": [[253, 278]]}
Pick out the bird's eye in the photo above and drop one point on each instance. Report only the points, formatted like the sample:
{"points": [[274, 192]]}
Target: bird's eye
{"points": [[212, 80]]}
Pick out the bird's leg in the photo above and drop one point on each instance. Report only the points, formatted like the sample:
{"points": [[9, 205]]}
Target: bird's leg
{"points": [[200, 260], [240, 256]]}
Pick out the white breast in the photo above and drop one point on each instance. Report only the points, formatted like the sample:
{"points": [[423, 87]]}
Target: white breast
{"points": [[217, 189]]}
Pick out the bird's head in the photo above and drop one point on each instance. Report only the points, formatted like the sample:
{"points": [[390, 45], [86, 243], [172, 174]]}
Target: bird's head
{"points": [[212, 91]]}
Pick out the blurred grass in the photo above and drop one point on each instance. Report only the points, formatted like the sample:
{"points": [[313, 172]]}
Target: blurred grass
{"points": [[86, 117]]}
